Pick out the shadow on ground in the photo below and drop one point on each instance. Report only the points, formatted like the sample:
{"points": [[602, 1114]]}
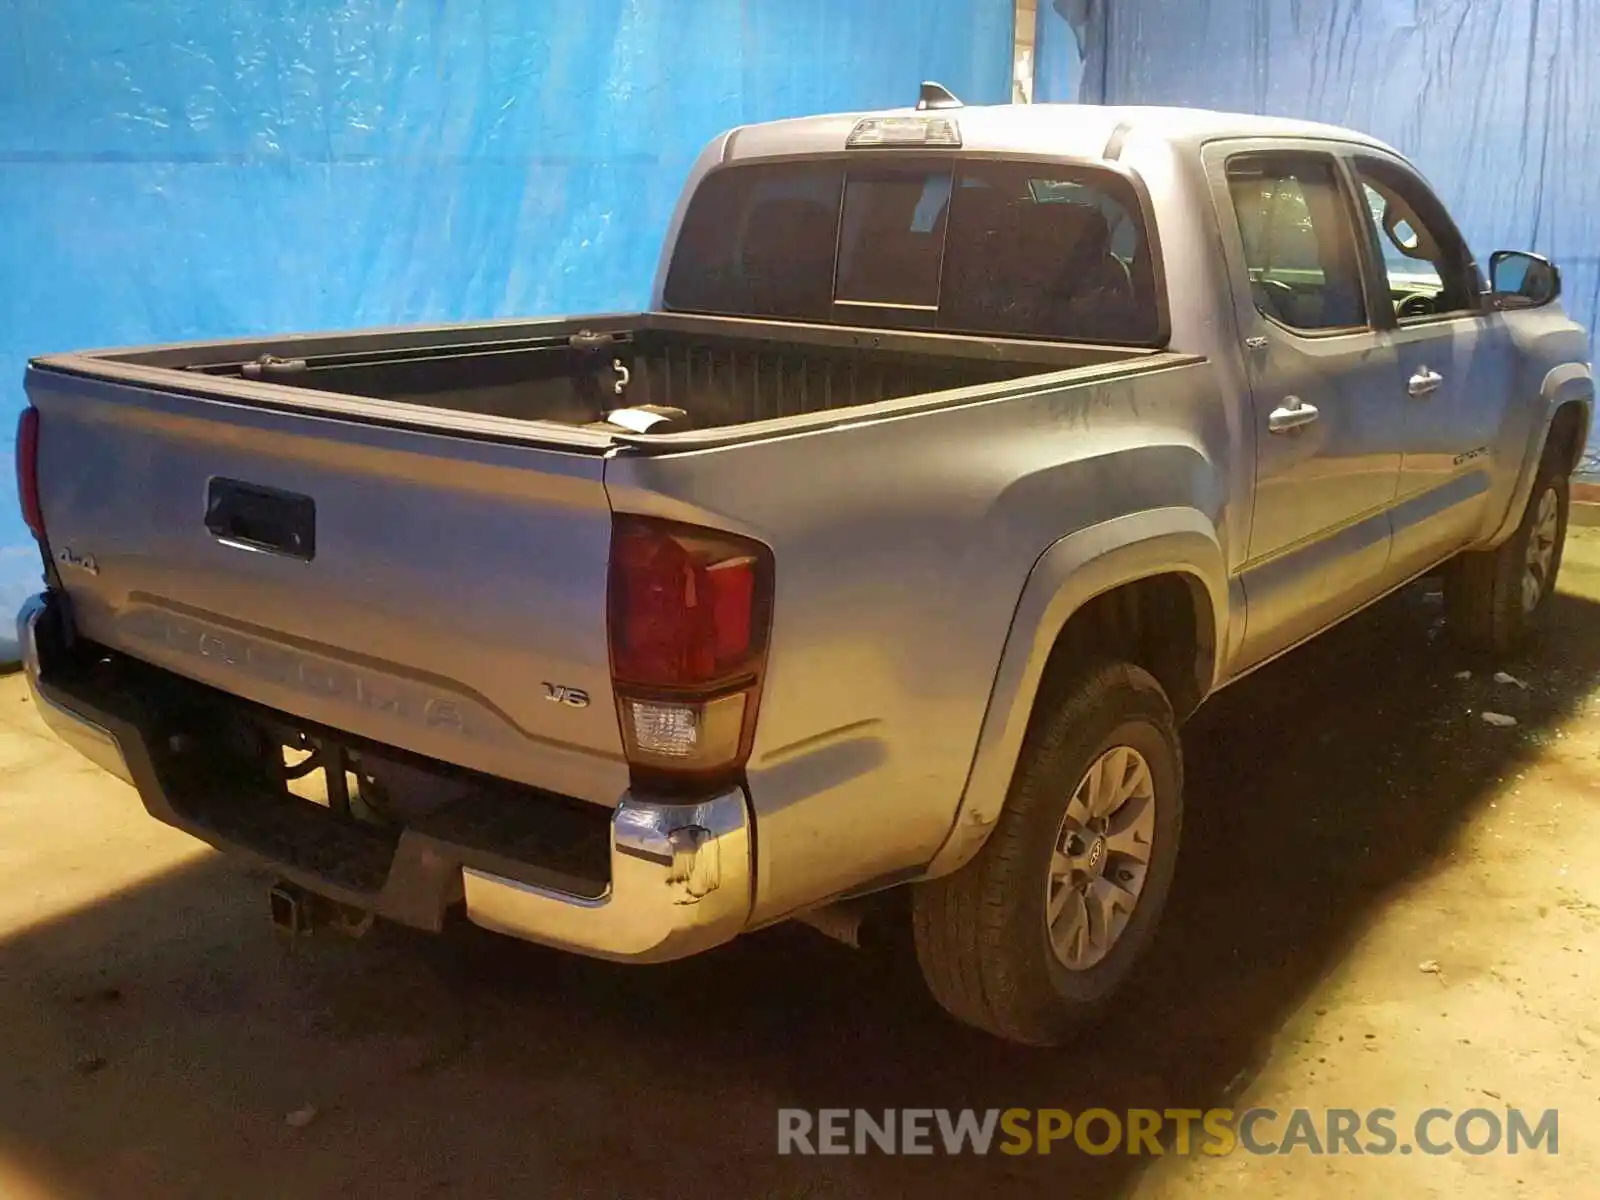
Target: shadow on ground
{"points": [[474, 1066]]}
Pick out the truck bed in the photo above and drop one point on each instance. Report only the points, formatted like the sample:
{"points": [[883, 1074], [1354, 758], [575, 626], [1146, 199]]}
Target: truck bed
{"points": [[404, 536], [574, 372]]}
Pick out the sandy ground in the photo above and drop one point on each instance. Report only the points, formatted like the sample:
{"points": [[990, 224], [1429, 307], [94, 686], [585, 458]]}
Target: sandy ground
{"points": [[1352, 818]]}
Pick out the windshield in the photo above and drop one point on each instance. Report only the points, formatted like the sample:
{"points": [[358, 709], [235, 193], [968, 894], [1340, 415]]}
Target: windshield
{"points": [[1019, 249]]}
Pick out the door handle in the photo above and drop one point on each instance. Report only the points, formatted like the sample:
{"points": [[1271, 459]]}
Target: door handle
{"points": [[1424, 382], [1294, 414], [248, 516]]}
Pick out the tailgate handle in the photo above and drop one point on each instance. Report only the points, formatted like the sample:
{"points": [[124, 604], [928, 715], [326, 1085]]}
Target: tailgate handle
{"points": [[252, 517]]}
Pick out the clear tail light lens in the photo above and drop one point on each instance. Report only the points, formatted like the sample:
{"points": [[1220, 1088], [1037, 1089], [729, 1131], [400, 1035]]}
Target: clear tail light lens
{"points": [[28, 471], [688, 615], [685, 735]]}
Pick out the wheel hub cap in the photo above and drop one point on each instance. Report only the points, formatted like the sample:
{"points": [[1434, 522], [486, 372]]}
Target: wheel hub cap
{"points": [[1101, 858], [1541, 549], [1095, 860]]}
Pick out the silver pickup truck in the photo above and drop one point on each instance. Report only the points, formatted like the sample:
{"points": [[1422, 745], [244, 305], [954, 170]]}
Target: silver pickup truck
{"points": [[962, 454]]}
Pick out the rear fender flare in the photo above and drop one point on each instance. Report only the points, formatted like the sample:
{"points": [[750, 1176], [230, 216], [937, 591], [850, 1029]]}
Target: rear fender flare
{"points": [[1070, 573]]}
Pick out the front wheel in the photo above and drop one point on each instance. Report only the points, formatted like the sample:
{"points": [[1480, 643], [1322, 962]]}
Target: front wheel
{"points": [[1496, 599], [1034, 936]]}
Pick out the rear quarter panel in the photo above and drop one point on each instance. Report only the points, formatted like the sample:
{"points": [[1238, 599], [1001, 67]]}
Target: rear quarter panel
{"points": [[902, 543]]}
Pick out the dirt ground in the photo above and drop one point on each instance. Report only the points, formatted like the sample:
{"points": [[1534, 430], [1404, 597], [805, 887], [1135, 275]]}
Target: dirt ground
{"points": [[1352, 818]]}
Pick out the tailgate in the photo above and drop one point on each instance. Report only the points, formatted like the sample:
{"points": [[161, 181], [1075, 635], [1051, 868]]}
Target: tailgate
{"points": [[438, 593]]}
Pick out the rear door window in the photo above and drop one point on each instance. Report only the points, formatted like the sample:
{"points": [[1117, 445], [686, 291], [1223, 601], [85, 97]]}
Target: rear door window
{"points": [[1023, 249], [1299, 241]]}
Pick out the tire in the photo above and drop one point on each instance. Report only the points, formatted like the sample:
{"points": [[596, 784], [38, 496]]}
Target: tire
{"points": [[1496, 599], [982, 934]]}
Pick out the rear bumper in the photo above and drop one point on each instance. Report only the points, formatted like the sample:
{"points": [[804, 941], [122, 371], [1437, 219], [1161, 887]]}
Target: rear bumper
{"points": [[680, 875], [76, 730]]}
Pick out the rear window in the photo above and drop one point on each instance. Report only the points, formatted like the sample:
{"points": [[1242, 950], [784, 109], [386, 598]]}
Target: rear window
{"points": [[1010, 248]]}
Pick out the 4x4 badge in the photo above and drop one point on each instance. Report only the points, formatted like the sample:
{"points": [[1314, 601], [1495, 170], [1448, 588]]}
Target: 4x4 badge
{"points": [[68, 557]]}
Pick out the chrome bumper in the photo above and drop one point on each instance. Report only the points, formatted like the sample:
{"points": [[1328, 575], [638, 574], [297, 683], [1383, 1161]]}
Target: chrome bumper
{"points": [[682, 875], [83, 735], [681, 882]]}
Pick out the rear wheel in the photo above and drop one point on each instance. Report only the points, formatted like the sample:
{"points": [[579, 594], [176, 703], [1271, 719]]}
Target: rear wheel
{"points": [[1497, 598], [1035, 935]]}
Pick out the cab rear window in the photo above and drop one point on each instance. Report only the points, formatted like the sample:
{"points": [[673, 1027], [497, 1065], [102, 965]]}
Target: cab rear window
{"points": [[986, 246]]}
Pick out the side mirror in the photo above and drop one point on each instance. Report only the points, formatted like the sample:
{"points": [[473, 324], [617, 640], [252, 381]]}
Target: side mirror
{"points": [[1521, 280]]}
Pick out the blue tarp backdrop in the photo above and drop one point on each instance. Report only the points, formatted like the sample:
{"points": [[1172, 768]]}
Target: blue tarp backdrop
{"points": [[1497, 101], [174, 169]]}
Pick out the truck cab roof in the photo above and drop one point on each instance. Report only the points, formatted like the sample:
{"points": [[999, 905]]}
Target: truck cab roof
{"points": [[1082, 131]]}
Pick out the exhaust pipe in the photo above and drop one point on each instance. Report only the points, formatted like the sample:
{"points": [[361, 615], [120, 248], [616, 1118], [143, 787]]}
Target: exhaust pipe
{"points": [[298, 912]]}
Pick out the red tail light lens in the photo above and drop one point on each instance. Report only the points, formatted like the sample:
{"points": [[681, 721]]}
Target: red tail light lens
{"points": [[28, 471], [689, 610], [684, 605]]}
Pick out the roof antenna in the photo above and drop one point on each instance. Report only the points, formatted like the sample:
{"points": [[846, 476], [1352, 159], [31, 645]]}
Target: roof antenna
{"points": [[935, 96]]}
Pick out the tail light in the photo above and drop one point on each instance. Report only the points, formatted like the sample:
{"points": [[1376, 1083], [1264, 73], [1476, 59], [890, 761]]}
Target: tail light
{"points": [[688, 615], [28, 471]]}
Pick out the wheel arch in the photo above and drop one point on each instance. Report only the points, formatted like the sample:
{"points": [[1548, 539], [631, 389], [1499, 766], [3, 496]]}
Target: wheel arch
{"points": [[1565, 411], [1163, 561]]}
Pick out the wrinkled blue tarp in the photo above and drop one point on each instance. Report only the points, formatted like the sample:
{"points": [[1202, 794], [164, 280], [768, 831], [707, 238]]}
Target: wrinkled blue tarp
{"points": [[173, 169], [1497, 101]]}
